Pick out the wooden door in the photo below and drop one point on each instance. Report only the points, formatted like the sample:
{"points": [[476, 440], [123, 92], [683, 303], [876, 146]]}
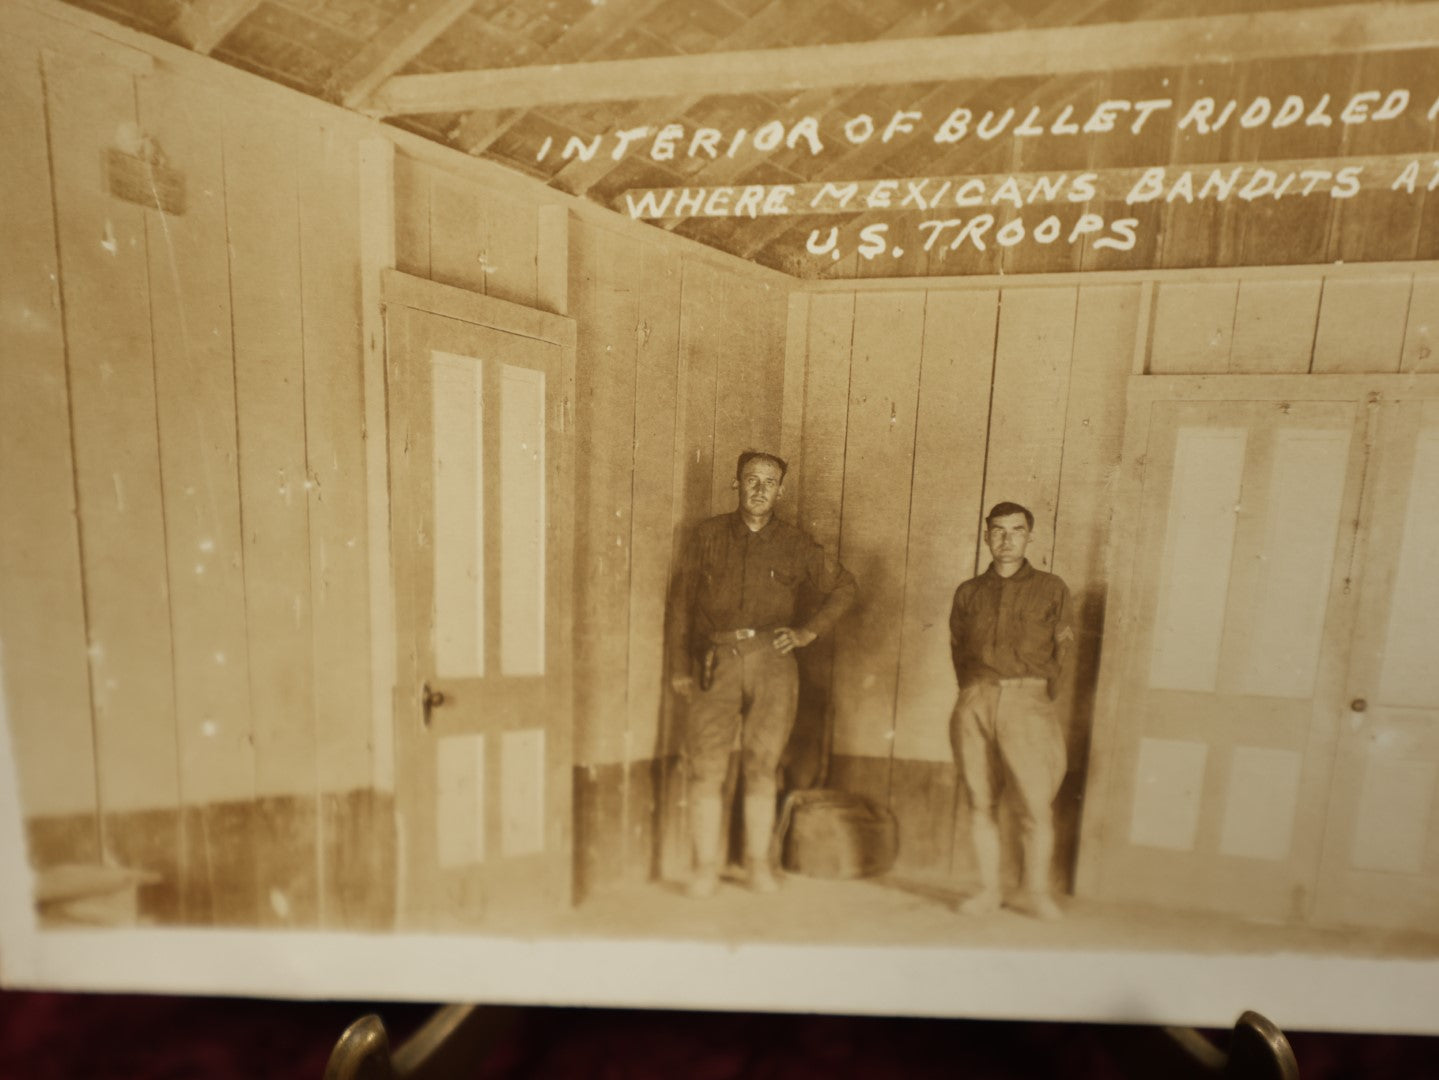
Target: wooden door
{"points": [[1381, 860], [1224, 651], [480, 497]]}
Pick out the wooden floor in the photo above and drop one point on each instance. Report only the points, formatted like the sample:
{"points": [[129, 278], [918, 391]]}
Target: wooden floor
{"points": [[918, 912]]}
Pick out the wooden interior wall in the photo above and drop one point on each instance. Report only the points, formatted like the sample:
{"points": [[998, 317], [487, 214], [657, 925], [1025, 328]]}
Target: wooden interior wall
{"points": [[680, 366], [185, 607], [185, 602], [924, 406]]}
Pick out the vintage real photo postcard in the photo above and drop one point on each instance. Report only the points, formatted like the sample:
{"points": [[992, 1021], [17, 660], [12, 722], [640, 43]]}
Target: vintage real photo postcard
{"points": [[878, 507]]}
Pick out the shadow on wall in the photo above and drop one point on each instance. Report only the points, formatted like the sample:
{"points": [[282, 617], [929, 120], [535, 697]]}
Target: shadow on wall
{"points": [[1079, 701]]}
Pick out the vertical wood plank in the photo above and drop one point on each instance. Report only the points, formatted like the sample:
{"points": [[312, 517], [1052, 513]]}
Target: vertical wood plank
{"points": [[1361, 324], [409, 454], [699, 391], [1274, 324], [377, 243], [652, 536], [691, 494], [509, 252], [263, 215], [1143, 330], [377, 252], [195, 389], [455, 250], [604, 415], [1193, 327], [552, 265], [1026, 426], [117, 453], [363, 896], [792, 411], [755, 320], [1106, 322], [329, 197], [1422, 326], [879, 451], [410, 215], [194, 378], [335, 456], [826, 408], [742, 324], [944, 509], [42, 607], [713, 289]]}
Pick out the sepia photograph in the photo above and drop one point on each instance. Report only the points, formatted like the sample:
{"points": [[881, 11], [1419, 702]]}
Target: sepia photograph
{"points": [[855, 505]]}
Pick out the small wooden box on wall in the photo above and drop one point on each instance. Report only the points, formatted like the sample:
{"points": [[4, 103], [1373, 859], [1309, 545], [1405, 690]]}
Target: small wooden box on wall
{"points": [[145, 179]]}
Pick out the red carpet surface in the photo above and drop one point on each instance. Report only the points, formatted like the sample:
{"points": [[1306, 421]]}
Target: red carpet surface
{"points": [[67, 1036]]}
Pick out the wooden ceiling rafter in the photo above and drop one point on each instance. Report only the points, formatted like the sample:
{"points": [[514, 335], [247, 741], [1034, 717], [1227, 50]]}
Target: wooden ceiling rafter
{"points": [[1050, 51], [597, 31], [579, 176], [392, 48], [203, 24], [939, 17]]}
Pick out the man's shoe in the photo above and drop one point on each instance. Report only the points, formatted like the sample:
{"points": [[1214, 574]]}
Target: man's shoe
{"points": [[984, 902], [1039, 906], [704, 884], [761, 877]]}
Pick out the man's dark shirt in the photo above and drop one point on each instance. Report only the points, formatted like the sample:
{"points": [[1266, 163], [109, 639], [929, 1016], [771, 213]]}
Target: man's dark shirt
{"points": [[1008, 628], [732, 578]]}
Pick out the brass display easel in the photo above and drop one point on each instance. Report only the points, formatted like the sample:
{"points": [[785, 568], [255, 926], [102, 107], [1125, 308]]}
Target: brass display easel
{"points": [[457, 1037]]}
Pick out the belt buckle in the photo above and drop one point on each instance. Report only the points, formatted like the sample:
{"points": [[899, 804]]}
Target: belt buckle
{"points": [[744, 635]]}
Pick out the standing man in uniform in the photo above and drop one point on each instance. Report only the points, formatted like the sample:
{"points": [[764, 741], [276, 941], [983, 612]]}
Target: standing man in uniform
{"points": [[732, 633], [1011, 638]]}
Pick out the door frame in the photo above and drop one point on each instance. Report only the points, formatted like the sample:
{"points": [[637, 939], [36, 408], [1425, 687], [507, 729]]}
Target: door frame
{"points": [[398, 289], [1099, 817]]}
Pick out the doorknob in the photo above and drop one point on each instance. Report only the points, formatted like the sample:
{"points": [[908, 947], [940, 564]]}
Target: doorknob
{"points": [[1358, 705], [429, 699]]}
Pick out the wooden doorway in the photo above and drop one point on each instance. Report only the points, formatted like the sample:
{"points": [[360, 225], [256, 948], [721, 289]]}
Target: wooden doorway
{"points": [[1267, 730], [481, 477]]}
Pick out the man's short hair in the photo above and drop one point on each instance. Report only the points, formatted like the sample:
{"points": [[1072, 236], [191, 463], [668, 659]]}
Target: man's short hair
{"points": [[1005, 509], [762, 455]]}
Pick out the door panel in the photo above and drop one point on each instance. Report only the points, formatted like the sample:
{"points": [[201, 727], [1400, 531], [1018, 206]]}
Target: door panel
{"points": [[457, 465], [480, 476], [1204, 491], [1382, 859], [1222, 742]]}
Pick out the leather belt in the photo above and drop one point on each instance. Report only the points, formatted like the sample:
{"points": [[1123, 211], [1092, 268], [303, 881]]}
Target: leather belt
{"points": [[730, 637], [742, 642]]}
